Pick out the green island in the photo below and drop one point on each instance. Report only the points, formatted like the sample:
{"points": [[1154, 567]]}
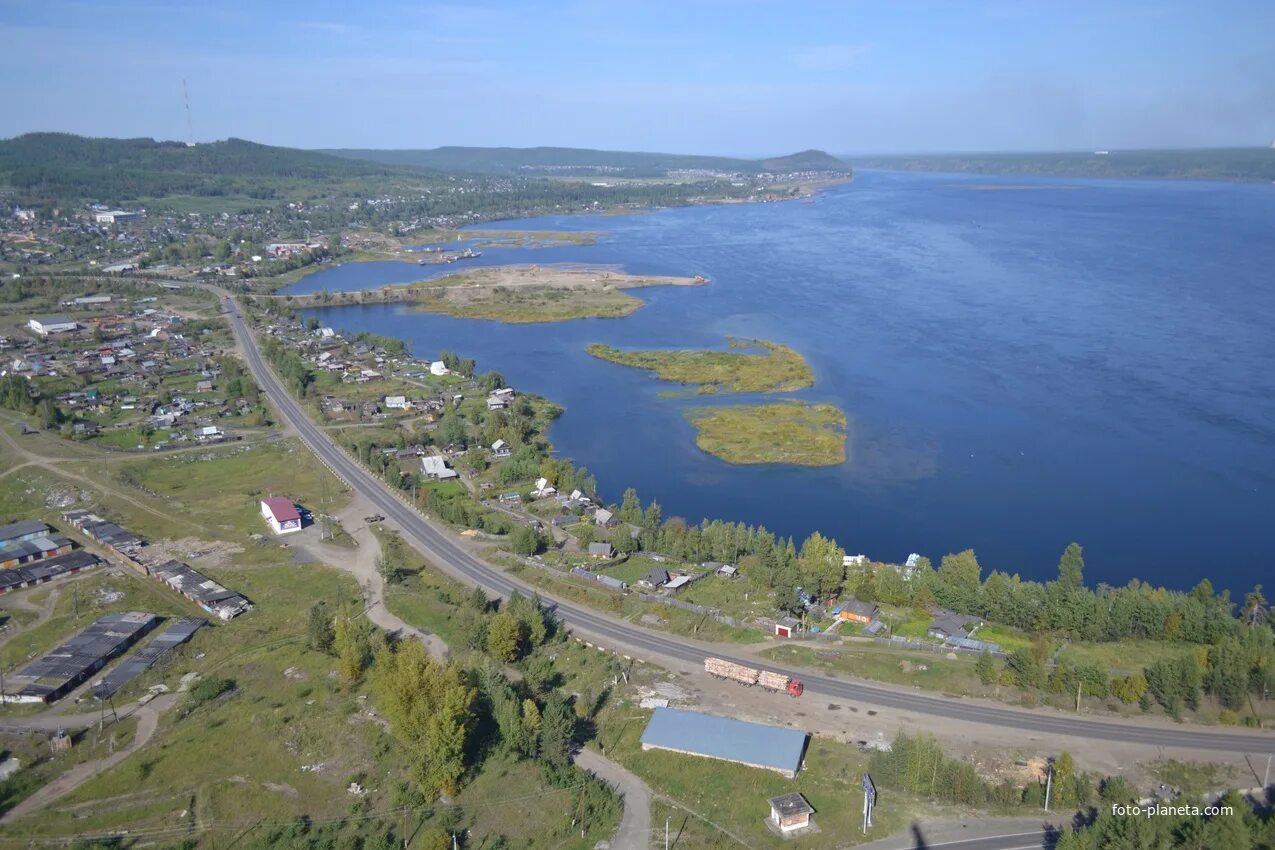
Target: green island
{"points": [[780, 369], [514, 294], [791, 432]]}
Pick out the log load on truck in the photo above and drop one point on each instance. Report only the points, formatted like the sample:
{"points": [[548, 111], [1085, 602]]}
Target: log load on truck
{"points": [[723, 669]]}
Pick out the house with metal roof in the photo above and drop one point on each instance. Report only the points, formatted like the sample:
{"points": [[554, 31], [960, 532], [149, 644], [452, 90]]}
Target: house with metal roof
{"points": [[708, 736]]}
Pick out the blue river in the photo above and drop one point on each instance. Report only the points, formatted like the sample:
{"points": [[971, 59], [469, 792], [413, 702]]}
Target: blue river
{"points": [[1024, 362]]}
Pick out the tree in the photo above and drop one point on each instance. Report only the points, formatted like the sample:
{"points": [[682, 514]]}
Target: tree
{"points": [[630, 508], [985, 668], [526, 540], [430, 707], [557, 729], [319, 631], [1071, 567], [504, 636]]}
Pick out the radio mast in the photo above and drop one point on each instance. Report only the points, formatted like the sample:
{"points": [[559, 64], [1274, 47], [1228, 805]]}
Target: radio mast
{"points": [[190, 132]]}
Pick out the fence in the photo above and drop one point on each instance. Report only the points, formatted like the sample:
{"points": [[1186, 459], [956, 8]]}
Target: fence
{"points": [[926, 646], [690, 606]]}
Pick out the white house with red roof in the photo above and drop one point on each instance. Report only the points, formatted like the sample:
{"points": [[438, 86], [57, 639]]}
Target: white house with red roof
{"points": [[282, 514]]}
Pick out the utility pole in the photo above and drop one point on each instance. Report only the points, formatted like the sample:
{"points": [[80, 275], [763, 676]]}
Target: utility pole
{"points": [[1267, 781], [666, 822], [1078, 697], [1049, 783]]}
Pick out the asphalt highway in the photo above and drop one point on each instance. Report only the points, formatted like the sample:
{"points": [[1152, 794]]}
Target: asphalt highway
{"points": [[653, 646]]}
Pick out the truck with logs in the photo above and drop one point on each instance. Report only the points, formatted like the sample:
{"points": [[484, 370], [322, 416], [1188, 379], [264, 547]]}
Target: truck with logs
{"points": [[723, 669]]}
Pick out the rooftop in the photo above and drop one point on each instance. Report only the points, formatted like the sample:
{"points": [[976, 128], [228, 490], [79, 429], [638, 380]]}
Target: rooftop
{"points": [[282, 509], [754, 744], [788, 805]]}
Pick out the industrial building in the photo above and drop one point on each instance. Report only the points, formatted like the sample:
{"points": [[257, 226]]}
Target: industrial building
{"points": [[142, 660], [46, 570], [217, 600], [753, 744], [45, 325], [106, 533], [57, 673]]}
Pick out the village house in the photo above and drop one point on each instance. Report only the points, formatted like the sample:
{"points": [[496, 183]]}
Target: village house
{"points": [[601, 550], [281, 514], [436, 467], [438, 368], [500, 449], [605, 518], [656, 578], [396, 402], [855, 611], [948, 625], [543, 488]]}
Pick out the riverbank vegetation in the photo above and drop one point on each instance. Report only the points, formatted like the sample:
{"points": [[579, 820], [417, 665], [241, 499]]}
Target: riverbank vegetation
{"points": [[790, 432], [779, 369]]}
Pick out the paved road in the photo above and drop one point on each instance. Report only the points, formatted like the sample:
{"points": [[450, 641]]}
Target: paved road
{"points": [[452, 557]]}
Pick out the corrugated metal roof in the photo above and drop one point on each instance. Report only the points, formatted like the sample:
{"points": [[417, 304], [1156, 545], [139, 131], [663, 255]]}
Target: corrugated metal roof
{"points": [[726, 738]]}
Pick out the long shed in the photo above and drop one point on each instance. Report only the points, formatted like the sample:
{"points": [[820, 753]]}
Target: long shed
{"points": [[754, 744]]}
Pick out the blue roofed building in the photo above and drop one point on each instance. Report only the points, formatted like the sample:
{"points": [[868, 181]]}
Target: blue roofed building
{"points": [[754, 744]]}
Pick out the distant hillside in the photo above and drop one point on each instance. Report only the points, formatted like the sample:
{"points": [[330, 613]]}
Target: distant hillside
{"points": [[1201, 164], [61, 166], [810, 160], [548, 160]]}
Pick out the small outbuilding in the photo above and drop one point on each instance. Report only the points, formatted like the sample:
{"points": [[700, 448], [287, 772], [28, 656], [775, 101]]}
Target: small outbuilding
{"points": [[790, 815], [786, 627]]}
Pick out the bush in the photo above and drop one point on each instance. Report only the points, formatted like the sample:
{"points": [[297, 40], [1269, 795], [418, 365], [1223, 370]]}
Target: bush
{"points": [[206, 690]]}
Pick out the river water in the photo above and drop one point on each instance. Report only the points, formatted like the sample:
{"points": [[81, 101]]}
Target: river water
{"points": [[1024, 362]]}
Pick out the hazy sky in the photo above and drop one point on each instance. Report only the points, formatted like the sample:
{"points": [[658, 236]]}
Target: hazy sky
{"points": [[710, 76]]}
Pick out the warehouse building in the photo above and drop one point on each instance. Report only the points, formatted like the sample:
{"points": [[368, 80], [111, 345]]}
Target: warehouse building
{"points": [[754, 744], [46, 570], [56, 674], [142, 660]]}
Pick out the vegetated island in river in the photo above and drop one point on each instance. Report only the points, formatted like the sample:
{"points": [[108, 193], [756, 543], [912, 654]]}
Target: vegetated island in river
{"points": [[791, 432], [780, 369], [514, 294]]}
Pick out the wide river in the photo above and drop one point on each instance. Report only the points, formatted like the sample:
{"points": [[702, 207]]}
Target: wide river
{"points": [[1024, 362]]}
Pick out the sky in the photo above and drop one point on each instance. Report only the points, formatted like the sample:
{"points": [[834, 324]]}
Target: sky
{"points": [[732, 77]]}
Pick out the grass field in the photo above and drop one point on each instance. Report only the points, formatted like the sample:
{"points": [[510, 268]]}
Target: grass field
{"points": [[789, 432], [728, 801], [223, 486], [779, 369]]}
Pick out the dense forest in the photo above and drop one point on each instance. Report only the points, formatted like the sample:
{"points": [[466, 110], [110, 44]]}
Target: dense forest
{"points": [[508, 161], [61, 167], [1203, 164]]}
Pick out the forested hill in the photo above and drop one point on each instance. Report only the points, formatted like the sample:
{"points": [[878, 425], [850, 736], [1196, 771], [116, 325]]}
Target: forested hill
{"points": [[1256, 164], [62, 167], [549, 160]]}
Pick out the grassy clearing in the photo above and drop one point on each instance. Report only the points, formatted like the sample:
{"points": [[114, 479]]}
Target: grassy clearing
{"points": [[790, 433], [223, 486], [1124, 657], [930, 670], [780, 369]]}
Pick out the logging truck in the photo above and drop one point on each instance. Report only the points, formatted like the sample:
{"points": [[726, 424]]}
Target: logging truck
{"points": [[750, 676]]}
